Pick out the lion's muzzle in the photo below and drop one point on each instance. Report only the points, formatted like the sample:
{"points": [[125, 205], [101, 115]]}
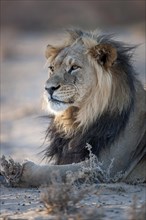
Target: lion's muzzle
{"points": [[51, 89]]}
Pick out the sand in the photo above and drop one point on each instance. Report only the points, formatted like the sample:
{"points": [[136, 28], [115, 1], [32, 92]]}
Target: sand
{"points": [[114, 201]]}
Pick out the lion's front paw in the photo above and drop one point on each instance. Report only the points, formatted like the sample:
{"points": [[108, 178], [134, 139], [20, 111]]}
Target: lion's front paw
{"points": [[11, 170]]}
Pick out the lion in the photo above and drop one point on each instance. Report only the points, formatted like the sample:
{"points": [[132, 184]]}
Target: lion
{"points": [[93, 97]]}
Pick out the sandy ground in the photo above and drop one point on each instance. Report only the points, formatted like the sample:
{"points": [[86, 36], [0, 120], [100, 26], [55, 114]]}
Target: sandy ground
{"points": [[112, 201], [22, 131]]}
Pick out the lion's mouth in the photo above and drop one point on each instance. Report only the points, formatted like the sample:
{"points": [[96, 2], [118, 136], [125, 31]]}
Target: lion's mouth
{"points": [[59, 101]]}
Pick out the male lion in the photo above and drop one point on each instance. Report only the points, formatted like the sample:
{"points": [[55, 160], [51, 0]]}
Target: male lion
{"points": [[94, 97]]}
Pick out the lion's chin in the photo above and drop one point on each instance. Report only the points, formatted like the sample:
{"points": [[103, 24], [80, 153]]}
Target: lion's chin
{"points": [[57, 107]]}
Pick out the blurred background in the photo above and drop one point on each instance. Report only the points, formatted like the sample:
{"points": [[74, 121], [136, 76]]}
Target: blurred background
{"points": [[27, 26]]}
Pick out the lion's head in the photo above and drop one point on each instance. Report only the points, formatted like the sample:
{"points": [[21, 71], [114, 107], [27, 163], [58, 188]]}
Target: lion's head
{"points": [[87, 77]]}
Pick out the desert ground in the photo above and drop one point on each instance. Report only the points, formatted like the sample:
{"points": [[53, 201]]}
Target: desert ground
{"points": [[23, 74]]}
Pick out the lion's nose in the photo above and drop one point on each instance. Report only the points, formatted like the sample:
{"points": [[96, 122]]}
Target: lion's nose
{"points": [[51, 89]]}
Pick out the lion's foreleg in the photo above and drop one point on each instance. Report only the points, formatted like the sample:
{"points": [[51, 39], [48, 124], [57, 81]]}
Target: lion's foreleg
{"points": [[37, 175], [31, 174]]}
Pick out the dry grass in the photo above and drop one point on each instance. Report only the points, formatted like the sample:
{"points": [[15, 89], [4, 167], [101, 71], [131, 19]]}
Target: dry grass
{"points": [[62, 199]]}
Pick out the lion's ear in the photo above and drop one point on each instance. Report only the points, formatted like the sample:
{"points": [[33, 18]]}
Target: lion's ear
{"points": [[51, 51], [105, 54]]}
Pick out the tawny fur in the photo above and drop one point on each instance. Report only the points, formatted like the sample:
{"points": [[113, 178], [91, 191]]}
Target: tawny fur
{"points": [[110, 90]]}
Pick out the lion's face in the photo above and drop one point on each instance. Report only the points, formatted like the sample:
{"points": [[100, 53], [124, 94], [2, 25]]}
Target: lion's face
{"points": [[71, 78]]}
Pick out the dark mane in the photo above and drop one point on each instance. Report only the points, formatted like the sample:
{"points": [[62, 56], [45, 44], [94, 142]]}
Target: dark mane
{"points": [[106, 128]]}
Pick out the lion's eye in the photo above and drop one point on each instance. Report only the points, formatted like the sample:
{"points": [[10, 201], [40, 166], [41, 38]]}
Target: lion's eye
{"points": [[74, 67], [51, 68]]}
